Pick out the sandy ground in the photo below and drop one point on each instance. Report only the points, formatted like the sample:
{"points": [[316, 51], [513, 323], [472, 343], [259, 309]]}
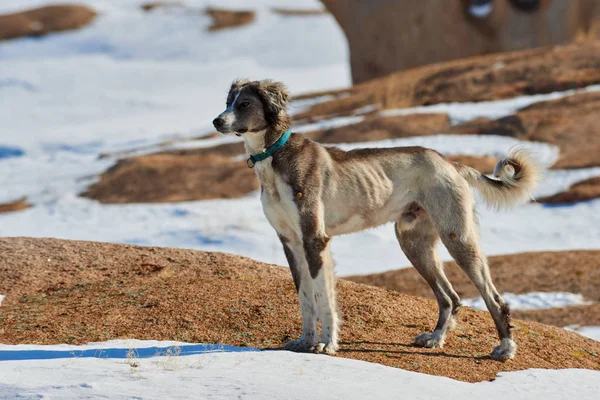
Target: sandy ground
{"points": [[75, 292], [568, 271]]}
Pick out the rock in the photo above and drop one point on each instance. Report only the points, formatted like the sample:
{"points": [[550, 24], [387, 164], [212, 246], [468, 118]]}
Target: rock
{"points": [[43, 20], [223, 19], [490, 77], [202, 297], [160, 4], [16, 205], [377, 128], [387, 36], [185, 175], [565, 271], [572, 123], [588, 189]]}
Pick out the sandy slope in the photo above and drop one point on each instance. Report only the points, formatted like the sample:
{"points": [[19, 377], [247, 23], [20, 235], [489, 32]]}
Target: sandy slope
{"points": [[75, 292], [567, 271]]}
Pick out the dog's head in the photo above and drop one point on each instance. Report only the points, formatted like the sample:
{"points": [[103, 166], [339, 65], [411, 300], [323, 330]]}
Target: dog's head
{"points": [[254, 106]]}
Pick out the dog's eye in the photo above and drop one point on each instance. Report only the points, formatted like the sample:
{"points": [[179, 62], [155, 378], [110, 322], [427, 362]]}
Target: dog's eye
{"points": [[245, 104]]}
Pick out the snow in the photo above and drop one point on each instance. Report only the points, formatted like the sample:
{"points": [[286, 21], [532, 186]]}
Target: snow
{"points": [[266, 375], [110, 89], [593, 332], [533, 301], [110, 82], [107, 89], [1, 298]]}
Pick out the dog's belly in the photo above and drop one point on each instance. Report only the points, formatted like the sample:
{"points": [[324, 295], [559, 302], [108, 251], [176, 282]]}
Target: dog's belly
{"points": [[342, 217]]}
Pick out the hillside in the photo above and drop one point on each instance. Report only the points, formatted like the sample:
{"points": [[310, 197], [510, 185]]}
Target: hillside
{"points": [[61, 291]]}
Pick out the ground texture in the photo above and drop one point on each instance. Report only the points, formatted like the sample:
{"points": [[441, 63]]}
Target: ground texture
{"points": [[61, 291]]}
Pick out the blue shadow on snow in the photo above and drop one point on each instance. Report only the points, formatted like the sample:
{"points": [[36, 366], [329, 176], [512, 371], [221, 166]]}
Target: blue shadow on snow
{"points": [[146, 352], [8, 152]]}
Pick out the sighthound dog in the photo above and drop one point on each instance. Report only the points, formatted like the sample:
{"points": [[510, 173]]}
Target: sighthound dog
{"points": [[310, 193]]}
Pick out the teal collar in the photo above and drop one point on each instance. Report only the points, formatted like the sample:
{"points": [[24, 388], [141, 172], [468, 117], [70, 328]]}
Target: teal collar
{"points": [[251, 162]]}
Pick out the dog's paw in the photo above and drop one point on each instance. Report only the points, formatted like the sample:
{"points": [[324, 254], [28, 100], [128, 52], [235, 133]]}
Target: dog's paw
{"points": [[299, 346], [429, 340], [325, 348], [506, 350]]}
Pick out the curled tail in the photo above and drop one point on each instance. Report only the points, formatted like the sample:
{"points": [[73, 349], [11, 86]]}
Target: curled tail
{"points": [[517, 176]]}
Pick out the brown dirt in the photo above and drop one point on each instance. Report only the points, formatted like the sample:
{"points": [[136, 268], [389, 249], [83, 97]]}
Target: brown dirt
{"points": [[570, 271], [588, 189], [567, 271], [184, 175], [16, 205], [490, 77], [223, 19], [43, 20], [76, 292]]}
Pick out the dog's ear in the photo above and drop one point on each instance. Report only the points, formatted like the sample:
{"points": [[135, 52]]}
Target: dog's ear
{"points": [[275, 98]]}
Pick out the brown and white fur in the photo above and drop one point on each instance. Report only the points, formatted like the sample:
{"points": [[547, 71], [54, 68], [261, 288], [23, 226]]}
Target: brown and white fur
{"points": [[311, 193]]}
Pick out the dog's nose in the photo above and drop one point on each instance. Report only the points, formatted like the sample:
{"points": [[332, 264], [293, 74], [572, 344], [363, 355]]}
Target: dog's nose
{"points": [[218, 122]]}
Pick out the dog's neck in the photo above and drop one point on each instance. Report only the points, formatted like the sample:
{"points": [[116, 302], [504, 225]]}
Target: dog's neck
{"points": [[257, 142]]}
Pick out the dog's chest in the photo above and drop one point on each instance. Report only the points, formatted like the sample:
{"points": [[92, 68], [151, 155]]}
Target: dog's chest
{"points": [[278, 202]]}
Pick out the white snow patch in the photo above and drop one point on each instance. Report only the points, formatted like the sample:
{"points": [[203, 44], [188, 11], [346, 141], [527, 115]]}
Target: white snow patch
{"points": [[593, 332], [1, 298], [329, 124], [533, 301], [464, 112], [477, 145], [65, 374]]}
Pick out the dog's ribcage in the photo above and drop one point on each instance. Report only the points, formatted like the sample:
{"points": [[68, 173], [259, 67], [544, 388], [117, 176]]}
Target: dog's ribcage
{"points": [[358, 195]]}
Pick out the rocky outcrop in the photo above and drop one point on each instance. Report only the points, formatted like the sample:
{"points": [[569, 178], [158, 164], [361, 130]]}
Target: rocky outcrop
{"points": [[385, 36], [44, 20], [61, 291], [223, 19], [588, 189], [566, 271], [183, 175], [491, 77], [572, 123], [16, 205]]}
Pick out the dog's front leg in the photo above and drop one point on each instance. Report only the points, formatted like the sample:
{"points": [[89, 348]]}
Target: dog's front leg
{"points": [[320, 266], [294, 252]]}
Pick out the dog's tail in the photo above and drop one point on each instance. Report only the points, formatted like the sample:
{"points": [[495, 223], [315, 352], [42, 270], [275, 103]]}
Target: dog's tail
{"points": [[518, 175]]}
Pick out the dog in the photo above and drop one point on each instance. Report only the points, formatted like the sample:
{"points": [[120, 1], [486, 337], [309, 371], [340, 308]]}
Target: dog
{"points": [[311, 193]]}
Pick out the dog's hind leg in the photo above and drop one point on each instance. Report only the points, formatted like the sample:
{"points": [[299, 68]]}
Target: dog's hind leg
{"points": [[418, 241], [294, 252], [452, 211]]}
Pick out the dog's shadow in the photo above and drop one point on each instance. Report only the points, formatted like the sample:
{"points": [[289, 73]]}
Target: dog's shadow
{"points": [[355, 347]]}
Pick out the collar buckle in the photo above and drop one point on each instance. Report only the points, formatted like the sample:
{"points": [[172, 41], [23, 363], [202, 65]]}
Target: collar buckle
{"points": [[250, 163]]}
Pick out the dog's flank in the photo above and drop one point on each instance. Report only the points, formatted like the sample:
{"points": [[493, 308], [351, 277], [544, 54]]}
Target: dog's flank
{"points": [[310, 193]]}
